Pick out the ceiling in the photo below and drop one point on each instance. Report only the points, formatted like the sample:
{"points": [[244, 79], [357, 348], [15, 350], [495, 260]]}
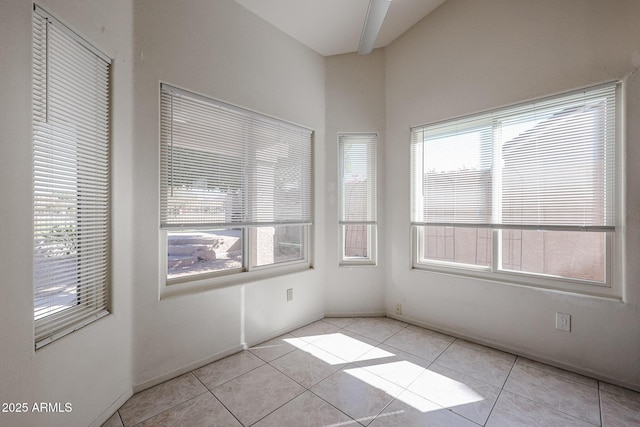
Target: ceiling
{"points": [[332, 27]]}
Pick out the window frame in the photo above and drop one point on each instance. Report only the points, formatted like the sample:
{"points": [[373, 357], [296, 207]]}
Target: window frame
{"points": [[371, 226], [610, 288], [249, 271], [90, 193]]}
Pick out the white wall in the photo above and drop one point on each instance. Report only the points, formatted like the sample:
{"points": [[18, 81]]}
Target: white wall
{"points": [[470, 56], [91, 369], [221, 50], [354, 103]]}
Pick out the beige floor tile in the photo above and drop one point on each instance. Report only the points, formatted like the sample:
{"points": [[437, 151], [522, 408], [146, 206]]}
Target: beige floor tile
{"points": [[576, 399], [515, 411], [376, 328], [620, 409], [415, 411], [257, 393], [557, 371], [277, 347], [216, 373], [341, 322], [347, 345], [309, 365], [201, 411], [477, 361], [113, 421], [393, 365], [307, 410], [158, 399], [357, 392], [462, 394], [315, 331], [420, 342]]}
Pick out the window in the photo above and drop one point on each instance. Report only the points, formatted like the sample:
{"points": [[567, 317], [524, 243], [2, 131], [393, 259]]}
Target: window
{"points": [[71, 189], [523, 194], [235, 188], [357, 198]]}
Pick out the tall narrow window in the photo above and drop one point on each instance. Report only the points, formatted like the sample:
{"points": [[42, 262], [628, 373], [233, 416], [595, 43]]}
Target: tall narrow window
{"points": [[357, 198], [235, 189], [524, 194], [71, 180]]}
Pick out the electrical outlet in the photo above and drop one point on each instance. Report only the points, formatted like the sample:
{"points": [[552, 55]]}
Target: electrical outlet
{"points": [[289, 294], [398, 309], [563, 322]]}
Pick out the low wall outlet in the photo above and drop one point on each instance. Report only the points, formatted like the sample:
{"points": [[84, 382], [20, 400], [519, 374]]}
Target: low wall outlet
{"points": [[563, 322], [398, 309], [289, 294]]}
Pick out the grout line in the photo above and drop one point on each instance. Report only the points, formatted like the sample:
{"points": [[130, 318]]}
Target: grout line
{"points": [[600, 403]]}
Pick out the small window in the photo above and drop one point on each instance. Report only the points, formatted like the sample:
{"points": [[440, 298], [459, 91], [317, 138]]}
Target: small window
{"points": [[524, 194], [71, 178], [357, 199], [235, 188]]}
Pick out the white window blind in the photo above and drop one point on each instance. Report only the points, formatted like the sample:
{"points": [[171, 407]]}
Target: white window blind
{"points": [[548, 165], [357, 179], [223, 166], [71, 180]]}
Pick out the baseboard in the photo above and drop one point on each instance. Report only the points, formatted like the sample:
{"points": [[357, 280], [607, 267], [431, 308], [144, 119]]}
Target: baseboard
{"points": [[188, 368], [286, 330], [516, 351], [355, 314], [228, 352], [107, 413]]}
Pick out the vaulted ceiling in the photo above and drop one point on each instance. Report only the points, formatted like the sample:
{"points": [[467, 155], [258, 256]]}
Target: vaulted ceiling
{"points": [[332, 27]]}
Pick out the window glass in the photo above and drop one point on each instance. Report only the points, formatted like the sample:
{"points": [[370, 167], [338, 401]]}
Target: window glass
{"points": [[202, 252]]}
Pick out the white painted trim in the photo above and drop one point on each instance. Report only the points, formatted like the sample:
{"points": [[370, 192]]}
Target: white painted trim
{"points": [[188, 368], [355, 314], [517, 352], [108, 413]]}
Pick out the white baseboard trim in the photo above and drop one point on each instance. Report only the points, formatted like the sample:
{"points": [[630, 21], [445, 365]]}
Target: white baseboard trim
{"points": [[516, 351], [107, 413], [355, 314], [188, 368], [286, 330], [220, 355]]}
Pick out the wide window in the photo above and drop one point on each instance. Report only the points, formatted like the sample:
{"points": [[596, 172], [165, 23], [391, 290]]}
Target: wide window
{"points": [[357, 198], [235, 188], [523, 194], [70, 178]]}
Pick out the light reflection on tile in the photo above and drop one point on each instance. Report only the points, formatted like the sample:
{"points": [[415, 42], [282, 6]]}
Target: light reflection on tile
{"points": [[393, 365], [460, 393], [274, 348], [412, 410], [346, 345], [308, 366], [357, 393]]}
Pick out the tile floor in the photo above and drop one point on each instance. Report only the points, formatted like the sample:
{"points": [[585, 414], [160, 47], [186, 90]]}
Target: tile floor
{"points": [[378, 372]]}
